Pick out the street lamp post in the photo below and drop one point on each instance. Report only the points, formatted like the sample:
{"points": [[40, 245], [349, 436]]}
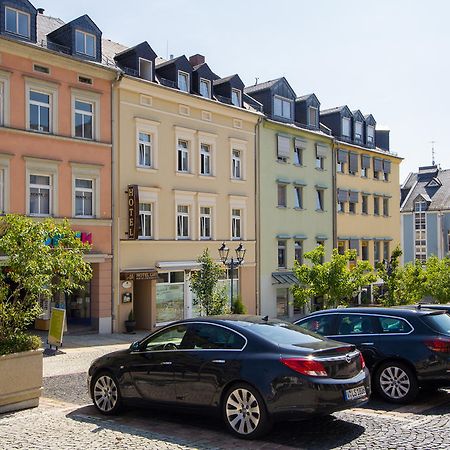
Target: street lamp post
{"points": [[232, 263]]}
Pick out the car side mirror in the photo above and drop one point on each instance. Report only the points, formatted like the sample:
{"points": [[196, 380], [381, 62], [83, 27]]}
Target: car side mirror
{"points": [[135, 346]]}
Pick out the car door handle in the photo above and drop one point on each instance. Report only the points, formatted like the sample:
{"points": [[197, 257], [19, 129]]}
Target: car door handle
{"points": [[218, 361], [166, 363], [366, 343]]}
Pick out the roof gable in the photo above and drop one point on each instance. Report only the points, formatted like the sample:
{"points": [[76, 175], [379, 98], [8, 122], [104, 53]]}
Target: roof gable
{"points": [[261, 86], [143, 50], [358, 115], [310, 98], [370, 120], [434, 183], [84, 22]]}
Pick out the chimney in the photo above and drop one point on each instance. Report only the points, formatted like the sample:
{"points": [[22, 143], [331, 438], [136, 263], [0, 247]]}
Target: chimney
{"points": [[196, 60], [40, 10], [382, 139]]}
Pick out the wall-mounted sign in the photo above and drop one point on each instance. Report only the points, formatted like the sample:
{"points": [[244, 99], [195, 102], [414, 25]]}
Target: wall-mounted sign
{"points": [[133, 211], [141, 275], [127, 284], [127, 297]]}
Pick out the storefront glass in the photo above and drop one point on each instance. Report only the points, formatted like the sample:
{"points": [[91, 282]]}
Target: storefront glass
{"points": [[170, 297]]}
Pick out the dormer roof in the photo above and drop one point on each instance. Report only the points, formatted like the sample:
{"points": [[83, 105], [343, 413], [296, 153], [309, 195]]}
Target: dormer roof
{"points": [[343, 110], [84, 21], [370, 120], [269, 85], [234, 80], [142, 49], [358, 115]]}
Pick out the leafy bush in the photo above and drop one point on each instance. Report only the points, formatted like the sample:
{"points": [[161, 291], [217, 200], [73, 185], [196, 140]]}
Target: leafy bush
{"points": [[238, 306], [20, 342]]}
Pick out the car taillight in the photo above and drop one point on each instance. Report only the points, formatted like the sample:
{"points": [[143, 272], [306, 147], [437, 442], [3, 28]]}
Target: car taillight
{"points": [[361, 360], [305, 366], [440, 345]]}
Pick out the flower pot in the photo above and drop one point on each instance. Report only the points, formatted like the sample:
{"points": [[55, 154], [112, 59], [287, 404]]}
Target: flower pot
{"points": [[20, 380], [130, 326]]}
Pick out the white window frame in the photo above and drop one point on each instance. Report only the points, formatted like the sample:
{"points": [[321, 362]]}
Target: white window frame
{"points": [[4, 98], [207, 200], [48, 187], [310, 108], [150, 195], [85, 189], [236, 222], [385, 207], [146, 215], [376, 205], [141, 72], [87, 172], [85, 35], [298, 155], [184, 198], [240, 203], [185, 217], [298, 197], [188, 135], [347, 120], [237, 94], [149, 127], [320, 199], [210, 140], [204, 218], [358, 127], [45, 167], [320, 162], [47, 88], [94, 99], [5, 182], [83, 113], [183, 152], [206, 83], [370, 134], [241, 146], [17, 12], [282, 246], [236, 164], [144, 147], [182, 73], [205, 159], [284, 102], [281, 195]]}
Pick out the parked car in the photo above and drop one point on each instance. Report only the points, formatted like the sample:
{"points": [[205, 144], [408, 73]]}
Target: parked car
{"points": [[404, 348], [250, 369]]}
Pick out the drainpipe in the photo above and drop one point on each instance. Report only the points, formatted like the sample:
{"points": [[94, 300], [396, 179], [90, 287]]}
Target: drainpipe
{"points": [[114, 185], [334, 187], [258, 215]]}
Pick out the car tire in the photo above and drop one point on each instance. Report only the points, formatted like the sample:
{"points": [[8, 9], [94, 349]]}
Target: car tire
{"points": [[395, 382], [244, 412], [105, 392]]}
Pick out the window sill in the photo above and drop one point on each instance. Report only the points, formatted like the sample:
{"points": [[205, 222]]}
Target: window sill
{"points": [[281, 207], [84, 217], [146, 169], [297, 208], [280, 161], [299, 165], [184, 174], [178, 238], [321, 210], [80, 138], [321, 170], [237, 180], [206, 177]]}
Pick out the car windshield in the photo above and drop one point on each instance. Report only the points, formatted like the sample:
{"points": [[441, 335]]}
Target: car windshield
{"points": [[284, 333], [438, 322]]}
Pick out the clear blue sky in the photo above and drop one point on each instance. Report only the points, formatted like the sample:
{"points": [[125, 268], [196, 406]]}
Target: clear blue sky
{"points": [[390, 58]]}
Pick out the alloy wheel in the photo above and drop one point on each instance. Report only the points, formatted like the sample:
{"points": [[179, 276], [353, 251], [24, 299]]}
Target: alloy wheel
{"points": [[242, 411], [394, 382], [105, 393]]}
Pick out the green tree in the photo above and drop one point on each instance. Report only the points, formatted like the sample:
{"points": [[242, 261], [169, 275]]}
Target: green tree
{"points": [[336, 281], [211, 298], [33, 270], [437, 283], [392, 275]]}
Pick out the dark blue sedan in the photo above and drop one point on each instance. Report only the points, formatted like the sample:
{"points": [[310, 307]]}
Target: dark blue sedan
{"points": [[404, 348], [249, 369]]}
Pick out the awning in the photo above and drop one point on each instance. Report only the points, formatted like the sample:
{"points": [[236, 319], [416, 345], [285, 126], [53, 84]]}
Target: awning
{"points": [[177, 265], [284, 278]]}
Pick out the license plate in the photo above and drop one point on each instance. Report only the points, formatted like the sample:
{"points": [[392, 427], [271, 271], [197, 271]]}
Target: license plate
{"points": [[355, 393]]}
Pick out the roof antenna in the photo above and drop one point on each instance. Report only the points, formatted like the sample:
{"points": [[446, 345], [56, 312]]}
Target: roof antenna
{"points": [[256, 80], [433, 156]]}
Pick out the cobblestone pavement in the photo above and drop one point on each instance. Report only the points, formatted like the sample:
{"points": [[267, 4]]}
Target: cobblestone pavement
{"points": [[66, 419]]}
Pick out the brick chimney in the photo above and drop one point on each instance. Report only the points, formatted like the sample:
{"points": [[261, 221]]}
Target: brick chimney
{"points": [[196, 60]]}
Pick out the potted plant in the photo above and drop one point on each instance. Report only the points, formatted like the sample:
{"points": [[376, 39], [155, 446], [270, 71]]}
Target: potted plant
{"points": [[130, 324], [42, 258]]}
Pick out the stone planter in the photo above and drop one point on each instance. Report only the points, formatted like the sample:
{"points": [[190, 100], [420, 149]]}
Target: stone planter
{"points": [[20, 380]]}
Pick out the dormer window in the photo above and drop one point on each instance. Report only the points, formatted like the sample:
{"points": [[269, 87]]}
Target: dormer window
{"points": [[183, 81], [370, 134], [236, 97], [282, 107], [312, 116], [17, 22], [145, 69], [346, 127], [358, 130], [205, 88], [85, 43]]}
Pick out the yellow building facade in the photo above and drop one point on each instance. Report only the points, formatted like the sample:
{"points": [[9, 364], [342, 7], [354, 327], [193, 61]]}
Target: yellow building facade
{"points": [[183, 182], [367, 201]]}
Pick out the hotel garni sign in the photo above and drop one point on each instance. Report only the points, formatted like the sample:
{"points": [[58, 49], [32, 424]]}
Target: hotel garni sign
{"points": [[133, 211]]}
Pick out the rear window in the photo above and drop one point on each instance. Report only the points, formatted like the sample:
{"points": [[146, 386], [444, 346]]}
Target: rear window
{"points": [[284, 333], [438, 322]]}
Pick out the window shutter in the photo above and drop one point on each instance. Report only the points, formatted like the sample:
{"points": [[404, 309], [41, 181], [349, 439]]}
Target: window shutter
{"points": [[365, 161], [353, 162], [377, 164], [300, 143], [342, 156], [386, 166], [283, 147], [321, 150], [354, 196], [342, 195]]}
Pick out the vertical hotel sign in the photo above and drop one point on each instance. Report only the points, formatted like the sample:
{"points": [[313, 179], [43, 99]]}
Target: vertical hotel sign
{"points": [[133, 211]]}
